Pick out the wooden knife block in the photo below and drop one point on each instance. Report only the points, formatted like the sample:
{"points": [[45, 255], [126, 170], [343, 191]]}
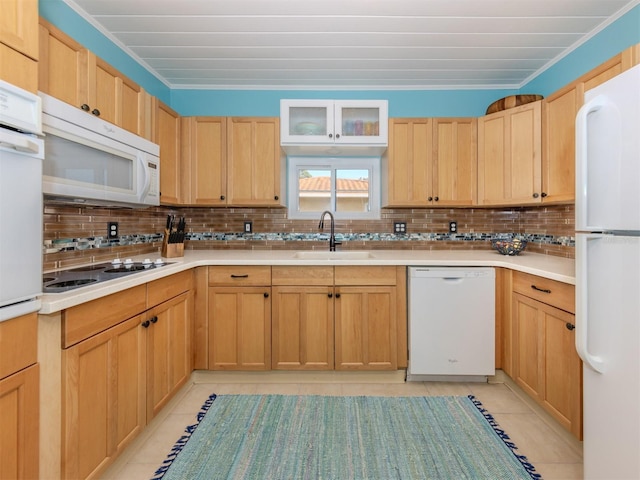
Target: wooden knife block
{"points": [[171, 250]]}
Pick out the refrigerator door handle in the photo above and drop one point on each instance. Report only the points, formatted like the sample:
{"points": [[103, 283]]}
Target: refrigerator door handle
{"points": [[594, 362], [582, 155]]}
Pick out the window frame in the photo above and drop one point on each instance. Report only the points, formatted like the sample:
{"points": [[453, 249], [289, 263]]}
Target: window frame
{"points": [[372, 164]]}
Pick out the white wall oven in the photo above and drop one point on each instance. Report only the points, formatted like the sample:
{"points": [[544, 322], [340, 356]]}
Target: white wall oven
{"points": [[21, 155]]}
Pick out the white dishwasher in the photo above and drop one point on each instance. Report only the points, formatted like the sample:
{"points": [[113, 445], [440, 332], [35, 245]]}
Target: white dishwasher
{"points": [[451, 323]]}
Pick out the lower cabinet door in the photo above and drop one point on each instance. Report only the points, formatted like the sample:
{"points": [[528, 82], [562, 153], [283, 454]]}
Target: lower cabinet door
{"points": [[169, 359], [240, 328], [365, 330], [302, 328], [19, 424], [103, 397], [546, 364]]}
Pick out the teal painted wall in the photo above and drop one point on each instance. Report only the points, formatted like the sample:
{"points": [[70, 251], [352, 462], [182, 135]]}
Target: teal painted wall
{"points": [[402, 103], [618, 36]]}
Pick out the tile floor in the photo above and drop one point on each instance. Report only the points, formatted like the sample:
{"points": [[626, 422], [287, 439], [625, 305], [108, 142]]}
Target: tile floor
{"points": [[554, 453]]}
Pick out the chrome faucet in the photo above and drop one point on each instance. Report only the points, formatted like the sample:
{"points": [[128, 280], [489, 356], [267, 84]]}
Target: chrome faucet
{"points": [[332, 238]]}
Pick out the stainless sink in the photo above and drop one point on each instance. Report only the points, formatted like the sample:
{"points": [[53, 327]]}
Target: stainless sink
{"points": [[326, 255]]}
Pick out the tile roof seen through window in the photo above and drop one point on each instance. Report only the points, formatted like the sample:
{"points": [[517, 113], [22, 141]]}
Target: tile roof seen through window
{"points": [[323, 184]]}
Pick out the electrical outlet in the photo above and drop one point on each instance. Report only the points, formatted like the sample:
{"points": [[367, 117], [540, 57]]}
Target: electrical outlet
{"points": [[112, 229], [453, 227], [248, 227], [399, 227]]}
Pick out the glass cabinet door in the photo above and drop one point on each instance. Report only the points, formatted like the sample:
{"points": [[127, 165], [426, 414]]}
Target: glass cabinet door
{"points": [[306, 121], [363, 121]]}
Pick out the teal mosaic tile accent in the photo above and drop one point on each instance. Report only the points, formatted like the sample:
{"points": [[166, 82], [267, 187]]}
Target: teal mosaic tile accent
{"points": [[74, 244]]}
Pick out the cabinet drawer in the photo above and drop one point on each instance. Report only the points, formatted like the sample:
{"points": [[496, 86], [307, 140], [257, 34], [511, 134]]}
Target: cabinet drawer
{"points": [[302, 276], [239, 275], [558, 294], [165, 288], [87, 319], [18, 343], [365, 275]]}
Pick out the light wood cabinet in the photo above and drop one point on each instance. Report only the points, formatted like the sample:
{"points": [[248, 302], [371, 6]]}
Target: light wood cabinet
{"points": [[510, 156], [302, 318], [365, 318], [407, 162], [167, 136], [75, 75], [455, 162], [19, 26], [19, 43], [169, 359], [431, 162], [254, 162], [19, 399], [103, 397], [544, 360], [123, 357], [204, 156], [559, 112], [239, 323]]}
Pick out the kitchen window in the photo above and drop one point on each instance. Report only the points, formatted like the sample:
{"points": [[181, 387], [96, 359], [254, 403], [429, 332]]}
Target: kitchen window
{"points": [[347, 187]]}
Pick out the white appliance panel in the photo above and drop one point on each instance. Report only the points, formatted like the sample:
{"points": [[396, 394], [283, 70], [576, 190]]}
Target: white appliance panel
{"points": [[607, 156], [451, 321], [21, 154], [608, 339]]}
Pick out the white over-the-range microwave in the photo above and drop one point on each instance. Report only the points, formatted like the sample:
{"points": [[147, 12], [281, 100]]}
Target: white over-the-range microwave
{"points": [[89, 161]]}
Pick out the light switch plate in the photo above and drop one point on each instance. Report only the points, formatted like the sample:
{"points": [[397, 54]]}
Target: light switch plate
{"points": [[248, 227]]}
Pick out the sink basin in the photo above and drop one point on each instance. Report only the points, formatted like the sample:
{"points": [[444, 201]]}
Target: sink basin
{"points": [[326, 255]]}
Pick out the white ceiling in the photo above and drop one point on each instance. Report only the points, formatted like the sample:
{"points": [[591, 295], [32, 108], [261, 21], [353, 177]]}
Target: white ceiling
{"points": [[349, 44]]}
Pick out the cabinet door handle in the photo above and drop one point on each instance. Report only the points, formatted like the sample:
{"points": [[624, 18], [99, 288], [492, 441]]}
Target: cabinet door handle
{"points": [[430, 199], [246, 275], [570, 326], [154, 319], [276, 197], [337, 135], [436, 198], [266, 295], [331, 135], [96, 112], [543, 194], [337, 295], [330, 295], [543, 290], [85, 107], [146, 324], [535, 195]]}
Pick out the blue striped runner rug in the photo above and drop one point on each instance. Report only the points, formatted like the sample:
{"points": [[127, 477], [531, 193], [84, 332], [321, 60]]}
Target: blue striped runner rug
{"points": [[352, 438]]}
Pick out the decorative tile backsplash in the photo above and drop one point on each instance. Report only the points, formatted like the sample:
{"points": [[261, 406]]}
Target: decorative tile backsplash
{"points": [[75, 235]]}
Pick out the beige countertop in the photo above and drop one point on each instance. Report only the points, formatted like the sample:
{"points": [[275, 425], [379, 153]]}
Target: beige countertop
{"points": [[555, 268]]}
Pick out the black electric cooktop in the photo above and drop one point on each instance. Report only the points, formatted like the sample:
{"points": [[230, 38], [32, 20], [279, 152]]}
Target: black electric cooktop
{"points": [[65, 280]]}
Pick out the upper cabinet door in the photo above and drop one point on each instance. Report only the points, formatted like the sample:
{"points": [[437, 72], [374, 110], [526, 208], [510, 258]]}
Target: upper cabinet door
{"points": [[510, 156], [330, 122], [19, 26], [306, 121], [361, 121]]}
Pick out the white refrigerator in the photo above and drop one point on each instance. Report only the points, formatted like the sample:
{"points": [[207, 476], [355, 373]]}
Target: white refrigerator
{"points": [[608, 275]]}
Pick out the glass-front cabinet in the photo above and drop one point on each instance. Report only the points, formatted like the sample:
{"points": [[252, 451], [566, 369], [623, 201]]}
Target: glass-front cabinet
{"points": [[334, 122]]}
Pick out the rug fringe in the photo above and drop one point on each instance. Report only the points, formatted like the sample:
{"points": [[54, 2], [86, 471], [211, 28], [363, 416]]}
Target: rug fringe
{"points": [[182, 441], [531, 470]]}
